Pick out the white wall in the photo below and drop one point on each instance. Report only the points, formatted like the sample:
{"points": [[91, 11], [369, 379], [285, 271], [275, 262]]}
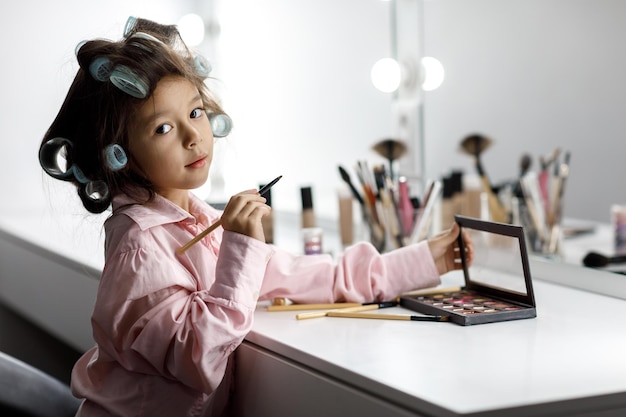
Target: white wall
{"points": [[295, 78], [534, 75], [37, 39], [297, 83]]}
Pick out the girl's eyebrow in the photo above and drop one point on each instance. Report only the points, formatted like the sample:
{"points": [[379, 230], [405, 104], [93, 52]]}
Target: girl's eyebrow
{"points": [[156, 115]]}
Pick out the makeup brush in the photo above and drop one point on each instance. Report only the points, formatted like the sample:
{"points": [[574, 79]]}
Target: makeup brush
{"points": [[556, 211], [390, 149], [346, 177], [597, 260], [390, 211], [475, 145], [525, 163], [544, 177], [218, 223], [378, 235]]}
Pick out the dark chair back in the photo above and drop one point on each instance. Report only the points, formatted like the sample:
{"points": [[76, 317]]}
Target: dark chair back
{"points": [[25, 391]]}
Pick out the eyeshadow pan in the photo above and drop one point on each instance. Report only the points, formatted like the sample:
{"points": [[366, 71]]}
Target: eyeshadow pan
{"points": [[465, 302]]}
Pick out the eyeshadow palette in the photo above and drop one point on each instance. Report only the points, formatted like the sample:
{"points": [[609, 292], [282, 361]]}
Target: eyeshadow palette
{"points": [[498, 284]]}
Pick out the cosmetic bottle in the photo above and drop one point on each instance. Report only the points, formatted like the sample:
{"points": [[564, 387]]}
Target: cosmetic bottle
{"points": [[308, 215], [268, 221], [346, 221], [447, 205], [472, 190], [311, 235], [312, 238], [456, 184], [405, 207], [618, 221]]}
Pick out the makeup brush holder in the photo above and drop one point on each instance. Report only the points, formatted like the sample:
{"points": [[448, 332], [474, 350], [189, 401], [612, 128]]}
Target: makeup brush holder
{"points": [[376, 234], [543, 237]]}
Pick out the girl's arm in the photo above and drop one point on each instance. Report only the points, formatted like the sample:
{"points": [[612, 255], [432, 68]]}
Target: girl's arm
{"points": [[361, 274], [154, 317]]}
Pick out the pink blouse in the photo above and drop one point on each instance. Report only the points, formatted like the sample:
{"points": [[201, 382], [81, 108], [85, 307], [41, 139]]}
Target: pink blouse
{"points": [[165, 324]]}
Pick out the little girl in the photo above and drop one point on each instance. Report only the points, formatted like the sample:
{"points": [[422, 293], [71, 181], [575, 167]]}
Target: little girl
{"points": [[137, 130]]}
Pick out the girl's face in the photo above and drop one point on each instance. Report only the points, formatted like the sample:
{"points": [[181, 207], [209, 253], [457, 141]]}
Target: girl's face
{"points": [[171, 139]]}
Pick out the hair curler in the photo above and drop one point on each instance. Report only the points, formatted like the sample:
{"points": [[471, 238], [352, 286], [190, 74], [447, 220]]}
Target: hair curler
{"points": [[221, 124], [203, 67], [115, 157], [126, 80], [100, 69]]}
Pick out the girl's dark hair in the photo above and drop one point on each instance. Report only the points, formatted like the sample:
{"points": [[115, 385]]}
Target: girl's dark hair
{"points": [[97, 114]]}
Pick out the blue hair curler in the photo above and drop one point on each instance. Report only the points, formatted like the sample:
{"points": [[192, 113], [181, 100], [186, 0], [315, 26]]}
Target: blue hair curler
{"points": [[79, 175], [80, 45], [203, 67], [100, 68], [131, 22], [126, 80], [115, 157], [221, 124], [146, 36], [132, 40]]}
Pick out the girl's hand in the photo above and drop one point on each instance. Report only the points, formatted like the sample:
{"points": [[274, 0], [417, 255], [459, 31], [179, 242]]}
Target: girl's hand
{"points": [[243, 214], [445, 249]]}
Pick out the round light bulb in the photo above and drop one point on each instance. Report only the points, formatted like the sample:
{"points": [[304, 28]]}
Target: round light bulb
{"points": [[433, 73], [191, 28], [386, 75]]}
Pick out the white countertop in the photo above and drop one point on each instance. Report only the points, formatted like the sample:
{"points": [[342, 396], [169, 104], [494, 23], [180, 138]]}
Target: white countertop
{"points": [[574, 348]]}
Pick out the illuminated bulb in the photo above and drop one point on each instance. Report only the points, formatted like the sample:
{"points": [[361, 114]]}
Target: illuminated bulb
{"points": [[191, 28], [386, 75], [433, 73]]}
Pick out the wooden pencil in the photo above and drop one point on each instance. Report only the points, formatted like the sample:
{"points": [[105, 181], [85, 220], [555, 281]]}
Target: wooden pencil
{"points": [[362, 307], [322, 306]]}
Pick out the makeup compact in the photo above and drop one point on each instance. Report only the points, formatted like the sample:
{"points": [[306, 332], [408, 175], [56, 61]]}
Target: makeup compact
{"points": [[498, 284]]}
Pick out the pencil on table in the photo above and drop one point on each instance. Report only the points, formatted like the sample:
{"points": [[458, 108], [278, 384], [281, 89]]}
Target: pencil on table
{"points": [[322, 306], [358, 308]]}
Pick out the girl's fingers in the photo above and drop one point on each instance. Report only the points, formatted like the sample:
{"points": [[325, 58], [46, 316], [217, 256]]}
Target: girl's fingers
{"points": [[243, 214], [239, 201]]}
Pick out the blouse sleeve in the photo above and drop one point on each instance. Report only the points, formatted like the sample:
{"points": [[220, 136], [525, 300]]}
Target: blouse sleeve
{"points": [[361, 274]]}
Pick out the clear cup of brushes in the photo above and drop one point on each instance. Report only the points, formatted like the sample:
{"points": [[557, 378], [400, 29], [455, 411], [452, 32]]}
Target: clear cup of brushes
{"points": [[543, 237], [541, 204]]}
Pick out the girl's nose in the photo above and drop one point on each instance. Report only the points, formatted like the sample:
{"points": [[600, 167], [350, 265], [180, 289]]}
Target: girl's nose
{"points": [[192, 137]]}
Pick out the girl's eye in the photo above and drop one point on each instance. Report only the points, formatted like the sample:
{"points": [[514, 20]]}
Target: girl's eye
{"points": [[197, 113], [163, 129]]}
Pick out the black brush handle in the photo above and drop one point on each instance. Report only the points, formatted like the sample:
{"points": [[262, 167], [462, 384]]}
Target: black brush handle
{"points": [[346, 178]]}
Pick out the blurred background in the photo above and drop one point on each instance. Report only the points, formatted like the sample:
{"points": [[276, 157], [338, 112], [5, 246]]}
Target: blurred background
{"points": [[295, 76]]}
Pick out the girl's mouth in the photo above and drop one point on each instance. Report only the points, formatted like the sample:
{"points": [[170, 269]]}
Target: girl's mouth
{"points": [[199, 163]]}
